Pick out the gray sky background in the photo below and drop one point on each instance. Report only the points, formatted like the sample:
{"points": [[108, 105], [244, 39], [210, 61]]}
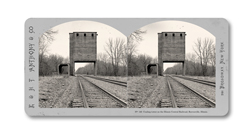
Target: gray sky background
{"points": [[60, 45], [148, 46]]}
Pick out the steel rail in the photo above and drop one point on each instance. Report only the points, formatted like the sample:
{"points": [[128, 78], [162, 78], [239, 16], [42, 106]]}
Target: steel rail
{"points": [[174, 105], [209, 83], [84, 99], [195, 79], [211, 103], [122, 102], [120, 83]]}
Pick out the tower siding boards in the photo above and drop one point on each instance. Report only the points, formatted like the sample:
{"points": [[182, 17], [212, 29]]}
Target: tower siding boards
{"points": [[160, 46], [71, 44], [83, 48], [171, 48]]}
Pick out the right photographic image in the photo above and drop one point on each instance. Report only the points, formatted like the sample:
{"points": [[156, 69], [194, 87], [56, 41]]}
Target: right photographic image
{"points": [[171, 64]]}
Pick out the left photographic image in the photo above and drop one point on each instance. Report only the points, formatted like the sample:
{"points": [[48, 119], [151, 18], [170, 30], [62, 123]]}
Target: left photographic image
{"points": [[82, 64]]}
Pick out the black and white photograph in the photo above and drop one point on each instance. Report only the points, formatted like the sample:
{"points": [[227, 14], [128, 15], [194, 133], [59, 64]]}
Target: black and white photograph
{"points": [[166, 64], [127, 67], [82, 65], [171, 64]]}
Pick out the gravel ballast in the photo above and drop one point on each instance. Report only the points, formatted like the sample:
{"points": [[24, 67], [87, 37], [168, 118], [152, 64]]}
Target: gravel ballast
{"points": [[207, 91], [118, 91], [57, 92], [124, 79], [211, 79], [145, 92]]}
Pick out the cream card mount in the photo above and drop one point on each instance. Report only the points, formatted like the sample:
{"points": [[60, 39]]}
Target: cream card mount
{"points": [[126, 67]]}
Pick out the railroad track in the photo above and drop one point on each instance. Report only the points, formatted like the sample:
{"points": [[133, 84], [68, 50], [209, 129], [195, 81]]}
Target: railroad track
{"points": [[116, 82], [209, 83], [94, 96], [181, 96]]}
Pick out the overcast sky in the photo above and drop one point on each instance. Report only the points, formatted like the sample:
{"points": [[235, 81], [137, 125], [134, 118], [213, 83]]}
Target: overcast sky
{"points": [[61, 44], [149, 45]]}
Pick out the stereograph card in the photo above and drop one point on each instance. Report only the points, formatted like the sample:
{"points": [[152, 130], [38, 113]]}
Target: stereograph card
{"points": [[126, 67]]}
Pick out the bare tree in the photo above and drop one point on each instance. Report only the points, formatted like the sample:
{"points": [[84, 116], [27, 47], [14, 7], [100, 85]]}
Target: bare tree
{"points": [[115, 51], [44, 41], [191, 58], [133, 40], [203, 51], [65, 60], [213, 58], [136, 36], [155, 60], [54, 60], [104, 58], [130, 50], [143, 60]]}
